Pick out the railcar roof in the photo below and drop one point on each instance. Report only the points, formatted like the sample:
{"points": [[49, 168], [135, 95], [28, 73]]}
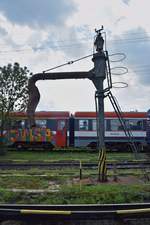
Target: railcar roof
{"points": [[112, 114], [66, 114], [41, 114]]}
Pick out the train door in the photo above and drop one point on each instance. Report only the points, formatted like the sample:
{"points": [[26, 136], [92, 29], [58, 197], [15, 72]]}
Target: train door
{"points": [[61, 133]]}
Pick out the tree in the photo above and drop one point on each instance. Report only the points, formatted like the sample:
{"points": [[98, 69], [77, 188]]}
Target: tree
{"points": [[13, 91]]}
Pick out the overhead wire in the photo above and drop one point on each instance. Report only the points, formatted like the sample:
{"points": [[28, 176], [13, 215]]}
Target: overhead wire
{"points": [[141, 68], [39, 48], [131, 39], [86, 40]]}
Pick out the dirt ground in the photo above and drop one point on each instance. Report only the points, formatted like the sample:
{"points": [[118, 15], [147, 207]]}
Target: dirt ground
{"points": [[118, 180]]}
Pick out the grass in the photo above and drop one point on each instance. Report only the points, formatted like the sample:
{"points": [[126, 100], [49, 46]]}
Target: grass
{"points": [[35, 178], [23, 182], [63, 181], [64, 155], [76, 194]]}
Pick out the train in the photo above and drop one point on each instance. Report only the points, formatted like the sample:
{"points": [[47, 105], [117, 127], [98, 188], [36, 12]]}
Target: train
{"points": [[63, 129]]}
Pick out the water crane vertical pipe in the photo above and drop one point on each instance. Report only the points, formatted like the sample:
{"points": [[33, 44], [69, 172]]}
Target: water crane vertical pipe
{"points": [[99, 70]]}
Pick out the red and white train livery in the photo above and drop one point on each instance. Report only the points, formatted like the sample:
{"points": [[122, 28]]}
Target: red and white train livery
{"points": [[79, 129]]}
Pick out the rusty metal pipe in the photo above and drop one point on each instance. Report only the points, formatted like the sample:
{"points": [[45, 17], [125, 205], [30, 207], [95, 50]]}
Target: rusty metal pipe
{"points": [[34, 94]]}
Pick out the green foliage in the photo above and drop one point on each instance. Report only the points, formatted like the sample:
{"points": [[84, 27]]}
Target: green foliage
{"points": [[13, 83], [13, 91]]}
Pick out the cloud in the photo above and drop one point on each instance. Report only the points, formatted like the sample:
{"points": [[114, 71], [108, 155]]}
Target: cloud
{"points": [[55, 32], [119, 20], [126, 1], [22, 26], [37, 12], [72, 41], [2, 32], [135, 43]]}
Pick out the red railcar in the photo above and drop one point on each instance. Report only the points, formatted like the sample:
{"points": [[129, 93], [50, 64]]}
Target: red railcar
{"points": [[50, 130]]}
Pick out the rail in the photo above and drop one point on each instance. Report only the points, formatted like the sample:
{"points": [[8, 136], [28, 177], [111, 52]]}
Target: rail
{"points": [[74, 212], [76, 164]]}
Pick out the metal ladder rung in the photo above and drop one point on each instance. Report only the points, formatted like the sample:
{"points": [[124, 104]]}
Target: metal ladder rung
{"points": [[127, 132]]}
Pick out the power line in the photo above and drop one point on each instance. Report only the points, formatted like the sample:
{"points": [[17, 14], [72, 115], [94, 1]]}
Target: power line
{"points": [[86, 40], [131, 39], [41, 48], [146, 72]]}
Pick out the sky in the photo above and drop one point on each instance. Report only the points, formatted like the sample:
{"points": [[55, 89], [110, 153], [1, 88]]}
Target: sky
{"points": [[44, 34]]}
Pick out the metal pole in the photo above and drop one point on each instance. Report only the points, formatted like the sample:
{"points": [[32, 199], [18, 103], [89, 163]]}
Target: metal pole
{"points": [[101, 119], [99, 59], [99, 70]]}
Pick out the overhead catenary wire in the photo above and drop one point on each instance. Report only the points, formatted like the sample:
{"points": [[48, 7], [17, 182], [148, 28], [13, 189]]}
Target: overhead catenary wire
{"points": [[141, 68], [86, 40], [39, 48], [146, 71]]}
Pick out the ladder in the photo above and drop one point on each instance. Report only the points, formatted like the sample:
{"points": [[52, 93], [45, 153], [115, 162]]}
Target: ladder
{"points": [[126, 129]]}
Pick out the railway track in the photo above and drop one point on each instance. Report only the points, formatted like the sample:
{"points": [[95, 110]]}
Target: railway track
{"points": [[74, 212], [53, 165]]}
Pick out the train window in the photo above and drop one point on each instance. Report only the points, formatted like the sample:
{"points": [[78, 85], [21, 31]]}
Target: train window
{"points": [[61, 124], [94, 124], [83, 124], [135, 124], [41, 123], [144, 124], [22, 124], [115, 125], [17, 124]]}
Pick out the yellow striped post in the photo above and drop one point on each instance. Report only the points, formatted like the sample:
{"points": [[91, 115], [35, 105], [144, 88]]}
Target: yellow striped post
{"points": [[133, 211], [80, 170], [44, 212], [80, 175], [102, 168]]}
